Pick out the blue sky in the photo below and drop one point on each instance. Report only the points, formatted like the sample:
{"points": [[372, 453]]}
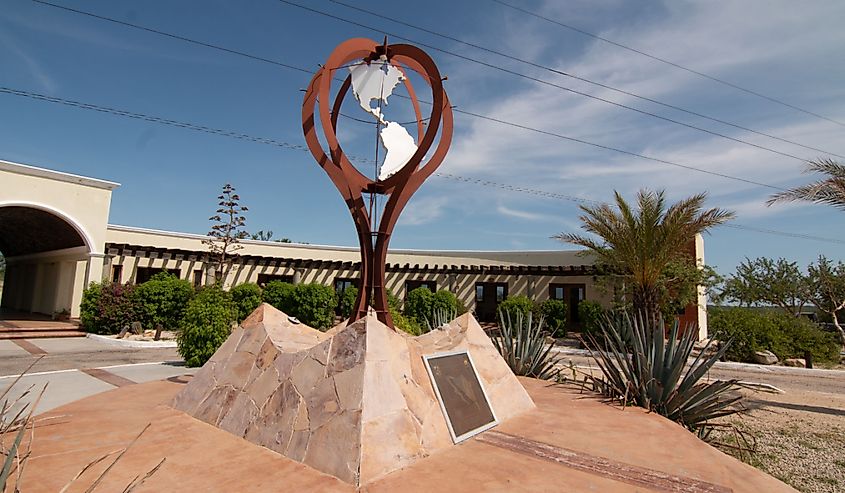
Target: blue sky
{"points": [[171, 175]]}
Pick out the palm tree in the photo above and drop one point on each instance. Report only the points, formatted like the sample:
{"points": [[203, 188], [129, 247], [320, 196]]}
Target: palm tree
{"points": [[640, 245], [829, 191]]}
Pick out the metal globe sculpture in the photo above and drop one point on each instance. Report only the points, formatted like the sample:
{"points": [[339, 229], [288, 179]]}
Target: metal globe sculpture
{"points": [[372, 71]]}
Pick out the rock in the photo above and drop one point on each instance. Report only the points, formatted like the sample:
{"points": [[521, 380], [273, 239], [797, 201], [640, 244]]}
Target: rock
{"points": [[765, 357], [796, 362]]}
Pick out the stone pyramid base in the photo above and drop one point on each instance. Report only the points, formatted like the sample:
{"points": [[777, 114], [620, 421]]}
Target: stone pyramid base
{"points": [[355, 402]]}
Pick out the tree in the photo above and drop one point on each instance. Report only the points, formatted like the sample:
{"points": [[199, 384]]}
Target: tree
{"points": [[262, 235], [640, 246], [830, 190], [226, 232], [827, 289], [764, 281]]}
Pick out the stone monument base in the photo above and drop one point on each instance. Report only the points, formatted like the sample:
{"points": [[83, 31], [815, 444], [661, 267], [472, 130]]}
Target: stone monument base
{"points": [[355, 402]]}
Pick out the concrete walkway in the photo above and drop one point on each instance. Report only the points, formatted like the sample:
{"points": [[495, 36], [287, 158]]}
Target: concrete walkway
{"points": [[571, 442]]}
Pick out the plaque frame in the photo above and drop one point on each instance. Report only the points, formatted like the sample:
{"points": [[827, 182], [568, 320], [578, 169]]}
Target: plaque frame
{"points": [[471, 433]]}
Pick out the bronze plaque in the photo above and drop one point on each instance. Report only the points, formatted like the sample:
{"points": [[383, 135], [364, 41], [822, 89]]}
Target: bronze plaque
{"points": [[461, 396]]}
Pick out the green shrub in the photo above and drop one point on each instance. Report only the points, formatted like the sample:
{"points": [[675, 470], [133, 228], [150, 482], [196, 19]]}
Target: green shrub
{"points": [[162, 300], [555, 313], [314, 305], [248, 297], [280, 295], [785, 335], [444, 301], [206, 325], [407, 324], [346, 303], [107, 308], [517, 304], [418, 303], [591, 315]]}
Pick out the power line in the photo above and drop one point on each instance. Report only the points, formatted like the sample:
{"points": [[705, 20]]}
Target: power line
{"points": [[583, 79], [468, 113], [542, 81], [663, 60], [298, 147]]}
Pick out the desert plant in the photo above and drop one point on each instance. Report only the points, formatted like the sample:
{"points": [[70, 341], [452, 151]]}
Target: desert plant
{"points": [[161, 301], [206, 324], [280, 295], [226, 232], [830, 191], [555, 312], [107, 307], [656, 374], [638, 246], [16, 417], [440, 316], [518, 304], [248, 297], [522, 343], [314, 305]]}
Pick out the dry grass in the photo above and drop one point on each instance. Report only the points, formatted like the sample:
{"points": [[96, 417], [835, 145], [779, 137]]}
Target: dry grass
{"points": [[800, 443]]}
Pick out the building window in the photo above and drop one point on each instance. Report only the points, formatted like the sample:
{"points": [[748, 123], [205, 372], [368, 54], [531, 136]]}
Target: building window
{"points": [[342, 284], [479, 292], [572, 295], [198, 278], [415, 283], [263, 279], [145, 273], [116, 273]]}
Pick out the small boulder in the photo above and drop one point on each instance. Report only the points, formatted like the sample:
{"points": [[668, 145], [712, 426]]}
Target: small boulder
{"points": [[796, 362], [765, 357]]}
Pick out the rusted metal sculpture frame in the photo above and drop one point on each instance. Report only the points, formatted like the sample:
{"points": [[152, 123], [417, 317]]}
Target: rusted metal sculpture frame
{"points": [[350, 182]]}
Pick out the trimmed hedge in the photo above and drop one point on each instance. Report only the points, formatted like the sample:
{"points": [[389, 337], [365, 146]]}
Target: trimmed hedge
{"points": [[346, 303], [555, 313], [162, 300], [314, 305], [280, 295], [591, 315], [785, 335], [517, 304], [107, 308], [418, 303], [247, 297], [206, 325]]}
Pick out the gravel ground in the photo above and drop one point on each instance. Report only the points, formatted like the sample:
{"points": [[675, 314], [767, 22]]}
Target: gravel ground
{"points": [[800, 438]]}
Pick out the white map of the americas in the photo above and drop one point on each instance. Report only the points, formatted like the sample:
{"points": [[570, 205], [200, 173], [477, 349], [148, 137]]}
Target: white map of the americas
{"points": [[375, 82]]}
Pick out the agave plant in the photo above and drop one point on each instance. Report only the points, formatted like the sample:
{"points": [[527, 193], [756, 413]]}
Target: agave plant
{"points": [[641, 367], [522, 343], [439, 318]]}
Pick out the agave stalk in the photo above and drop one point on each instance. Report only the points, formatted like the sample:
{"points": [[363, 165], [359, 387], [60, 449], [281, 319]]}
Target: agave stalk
{"points": [[650, 371], [439, 318], [522, 344]]}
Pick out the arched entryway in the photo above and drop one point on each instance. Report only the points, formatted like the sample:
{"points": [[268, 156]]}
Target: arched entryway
{"points": [[47, 255]]}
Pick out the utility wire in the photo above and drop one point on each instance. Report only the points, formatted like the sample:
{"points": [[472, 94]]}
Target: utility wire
{"points": [[464, 112], [663, 60], [542, 81], [583, 79], [297, 147]]}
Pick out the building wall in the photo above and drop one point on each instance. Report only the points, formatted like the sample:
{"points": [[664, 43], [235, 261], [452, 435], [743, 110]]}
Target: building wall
{"points": [[51, 282], [525, 273]]}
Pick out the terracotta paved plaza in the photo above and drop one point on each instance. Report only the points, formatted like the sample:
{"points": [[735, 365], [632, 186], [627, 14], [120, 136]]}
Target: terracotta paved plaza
{"points": [[569, 443]]}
